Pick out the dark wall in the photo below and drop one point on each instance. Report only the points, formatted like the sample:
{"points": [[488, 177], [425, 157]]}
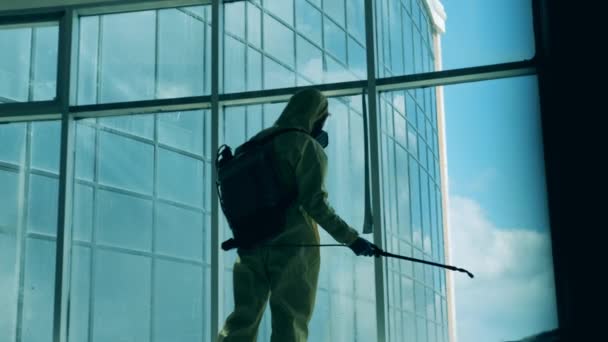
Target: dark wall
{"points": [[568, 43]]}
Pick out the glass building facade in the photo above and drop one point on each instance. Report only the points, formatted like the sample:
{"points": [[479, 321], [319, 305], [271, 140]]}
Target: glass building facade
{"points": [[141, 249]]}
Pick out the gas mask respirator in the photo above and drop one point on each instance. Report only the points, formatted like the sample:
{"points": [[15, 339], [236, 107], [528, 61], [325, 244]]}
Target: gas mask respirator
{"points": [[318, 133]]}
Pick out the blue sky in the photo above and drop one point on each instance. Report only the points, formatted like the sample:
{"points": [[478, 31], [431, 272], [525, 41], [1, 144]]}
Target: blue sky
{"points": [[498, 211]]}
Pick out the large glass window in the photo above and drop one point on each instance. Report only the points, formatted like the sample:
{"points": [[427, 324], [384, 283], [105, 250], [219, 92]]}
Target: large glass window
{"points": [[144, 55], [141, 243], [28, 66], [28, 227], [324, 44], [142, 190]]}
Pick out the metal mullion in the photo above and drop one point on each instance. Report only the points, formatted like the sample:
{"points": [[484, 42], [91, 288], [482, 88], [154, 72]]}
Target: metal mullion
{"points": [[64, 216], [141, 107], [41, 236], [295, 44], [93, 245], [22, 231], [464, 75], [30, 86], [45, 173], [99, 58], [154, 180], [124, 191], [10, 167], [184, 153], [124, 134], [375, 165], [216, 261], [283, 94]]}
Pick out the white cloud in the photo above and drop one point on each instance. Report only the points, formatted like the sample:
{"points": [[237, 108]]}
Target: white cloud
{"points": [[512, 294], [483, 180]]}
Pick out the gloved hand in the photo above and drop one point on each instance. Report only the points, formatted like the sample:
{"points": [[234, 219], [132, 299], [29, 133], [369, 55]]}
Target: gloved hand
{"points": [[363, 247]]}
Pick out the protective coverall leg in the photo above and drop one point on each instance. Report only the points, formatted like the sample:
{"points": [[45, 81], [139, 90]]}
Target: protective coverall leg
{"points": [[291, 276], [250, 291]]}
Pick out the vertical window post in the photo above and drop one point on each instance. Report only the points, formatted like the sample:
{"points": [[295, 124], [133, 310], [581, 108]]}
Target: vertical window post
{"points": [[216, 58], [64, 215], [374, 148]]}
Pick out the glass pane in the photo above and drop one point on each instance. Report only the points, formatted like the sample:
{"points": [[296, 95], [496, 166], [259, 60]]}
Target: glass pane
{"points": [[42, 206], [345, 315], [254, 24], [83, 212], [234, 75], [127, 54], [335, 40], [141, 249], [80, 294], [308, 21], [322, 45], [123, 221], [85, 156], [335, 9], [179, 231], [13, 150], [28, 65], [283, 9], [125, 163], [28, 224], [233, 19], [178, 302], [45, 145], [181, 49], [182, 130], [473, 34], [498, 198], [144, 55], [180, 178], [39, 288], [121, 278], [44, 81], [278, 40]]}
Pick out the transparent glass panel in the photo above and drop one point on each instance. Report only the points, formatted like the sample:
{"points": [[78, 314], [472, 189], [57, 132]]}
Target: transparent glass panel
{"points": [[42, 204], [309, 21], [279, 40], [28, 65], [498, 198], [123, 221], [182, 47], [28, 224], [144, 55], [180, 178], [178, 302], [234, 73], [473, 34], [254, 24], [121, 278], [322, 45], [125, 163], [39, 290], [13, 150], [283, 9], [83, 212], [141, 243], [45, 145], [335, 40]]}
